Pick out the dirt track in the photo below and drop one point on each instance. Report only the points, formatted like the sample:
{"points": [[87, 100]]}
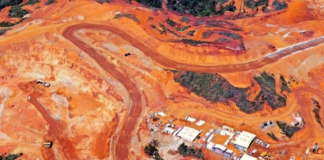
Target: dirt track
{"points": [[122, 147], [269, 58], [57, 133]]}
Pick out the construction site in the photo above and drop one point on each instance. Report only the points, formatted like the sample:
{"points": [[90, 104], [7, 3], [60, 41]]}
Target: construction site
{"points": [[172, 79]]}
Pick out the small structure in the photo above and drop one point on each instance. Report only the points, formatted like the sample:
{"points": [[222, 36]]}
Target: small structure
{"points": [[200, 123], [228, 153], [168, 130], [210, 145], [127, 54], [190, 119], [228, 128], [29, 97], [247, 157], [48, 144], [210, 138], [219, 148], [161, 114], [188, 134], [244, 140], [43, 82]]}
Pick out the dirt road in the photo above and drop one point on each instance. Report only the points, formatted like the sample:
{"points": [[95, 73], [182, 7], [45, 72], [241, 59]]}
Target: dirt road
{"points": [[123, 142], [57, 133], [269, 58], [122, 147]]}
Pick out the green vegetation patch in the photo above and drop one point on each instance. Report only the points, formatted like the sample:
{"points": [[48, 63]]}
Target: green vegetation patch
{"points": [[131, 16], [151, 3], [31, 2], [8, 24], [215, 88], [198, 7], [317, 112], [183, 28], [3, 31], [171, 22], [17, 12], [284, 84], [184, 150], [152, 150], [48, 2], [5, 3], [191, 33], [273, 136], [10, 156], [185, 19], [268, 91], [289, 131]]}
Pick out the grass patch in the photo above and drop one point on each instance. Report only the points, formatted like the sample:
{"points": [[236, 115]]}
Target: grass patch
{"points": [[131, 16], [184, 150], [151, 3], [289, 131], [272, 136]]}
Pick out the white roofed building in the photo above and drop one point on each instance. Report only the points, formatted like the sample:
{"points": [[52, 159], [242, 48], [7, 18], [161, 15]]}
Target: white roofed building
{"points": [[247, 157], [244, 140], [188, 134], [200, 123]]}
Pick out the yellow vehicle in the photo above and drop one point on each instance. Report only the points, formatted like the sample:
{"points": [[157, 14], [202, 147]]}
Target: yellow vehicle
{"points": [[263, 154]]}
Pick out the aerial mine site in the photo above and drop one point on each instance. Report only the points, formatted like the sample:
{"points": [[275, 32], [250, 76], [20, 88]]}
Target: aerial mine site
{"points": [[161, 79]]}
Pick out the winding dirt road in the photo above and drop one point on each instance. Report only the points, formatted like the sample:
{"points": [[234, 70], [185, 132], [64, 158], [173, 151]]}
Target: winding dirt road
{"points": [[57, 131], [123, 142], [254, 64]]}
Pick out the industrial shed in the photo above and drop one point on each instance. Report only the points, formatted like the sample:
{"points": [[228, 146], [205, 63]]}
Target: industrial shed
{"points": [[244, 140], [188, 134], [247, 157]]}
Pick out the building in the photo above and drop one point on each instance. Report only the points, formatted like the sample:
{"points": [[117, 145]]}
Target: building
{"points": [[219, 148], [247, 157], [190, 119], [244, 140], [48, 144], [228, 153], [188, 134], [162, 114], [210, 145], [200, 123], [168, 130]]}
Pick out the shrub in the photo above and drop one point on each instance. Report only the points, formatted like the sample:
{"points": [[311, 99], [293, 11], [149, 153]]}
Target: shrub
{"points": [[272, 136], [182, 29], [171, 22], [151, 3], [8, 24], [3, 31], [48, 2], [152, 151], [191, 33], [289, 131], [10, 156], [131, 16], [5, 3], [284, 85], [194, 7], [103, 1], [30, 2], [185, 19], [17, 12], [279, 5], [184, 150]]}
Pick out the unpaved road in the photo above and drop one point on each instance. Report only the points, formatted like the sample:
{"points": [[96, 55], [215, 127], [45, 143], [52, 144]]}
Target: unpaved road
{"points": [[57, 133], [125, 136], [122, 144], [269, 58]]}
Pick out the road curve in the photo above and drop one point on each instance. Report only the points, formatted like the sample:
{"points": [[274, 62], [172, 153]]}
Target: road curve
{"points": [[269, 58], [123, 142]]}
